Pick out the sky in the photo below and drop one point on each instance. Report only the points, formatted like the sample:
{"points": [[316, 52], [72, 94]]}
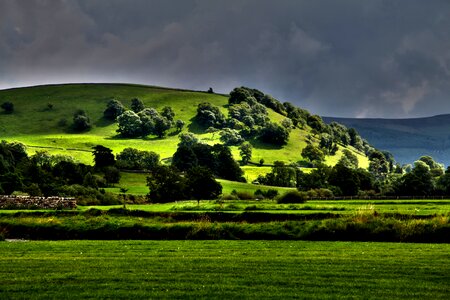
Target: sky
{"points": [[347, 58]]}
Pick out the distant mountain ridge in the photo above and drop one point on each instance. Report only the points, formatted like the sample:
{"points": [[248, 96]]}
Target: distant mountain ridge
{"points": [[406, 139]]}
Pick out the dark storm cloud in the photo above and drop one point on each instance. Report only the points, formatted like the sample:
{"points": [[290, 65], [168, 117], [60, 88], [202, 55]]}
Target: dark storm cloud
{"points": [[342, 58]]}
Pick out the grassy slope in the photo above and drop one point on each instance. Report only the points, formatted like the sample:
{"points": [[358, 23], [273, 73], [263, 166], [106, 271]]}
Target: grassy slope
{"points": [[37, 127], [223, 270]]}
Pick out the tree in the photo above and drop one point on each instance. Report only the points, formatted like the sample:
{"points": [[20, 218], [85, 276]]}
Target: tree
{"points": [[179, 124], [188, 139], [210, 115], [281, 175], [287, 123], [210, 90], [137, 105], [245, 150], [340, 133], [238, 95], [349, 159], [316, 123], [230, 137], [418, 182], [130, 125], [111, 175], [81, 121], [114, 108], [436, 169], [313, 154], [316, 179], [8, 107], [103, 157], [345, 178], [134, 159], [184, 158], [168, 113], [162, 124], [201, 184], [166, 185], [226, 166], [274, 134]]}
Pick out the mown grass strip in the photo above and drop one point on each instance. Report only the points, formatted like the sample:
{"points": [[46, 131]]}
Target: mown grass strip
{"points": [[223, 270]]}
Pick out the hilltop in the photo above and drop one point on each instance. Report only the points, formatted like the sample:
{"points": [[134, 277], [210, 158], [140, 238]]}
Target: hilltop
{"points": [[406, 139], [42, 116]]}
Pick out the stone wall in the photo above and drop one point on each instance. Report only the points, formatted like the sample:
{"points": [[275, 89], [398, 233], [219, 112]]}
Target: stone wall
{"points": [[27, 202]]}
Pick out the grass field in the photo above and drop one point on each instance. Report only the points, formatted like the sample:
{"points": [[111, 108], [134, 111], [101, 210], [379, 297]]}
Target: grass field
{"points": [[223, 270]]}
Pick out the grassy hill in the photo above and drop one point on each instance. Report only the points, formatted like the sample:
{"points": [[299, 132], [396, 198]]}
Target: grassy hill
{"points": [[41, 128], [406, 139]]}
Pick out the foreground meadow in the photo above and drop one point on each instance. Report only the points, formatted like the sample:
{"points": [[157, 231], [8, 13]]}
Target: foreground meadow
{"points": [[223, 269]]}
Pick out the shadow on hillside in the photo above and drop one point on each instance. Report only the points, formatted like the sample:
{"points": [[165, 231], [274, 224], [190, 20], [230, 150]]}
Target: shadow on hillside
{"points": [[257, 144], [118, 137], [103, 122]]}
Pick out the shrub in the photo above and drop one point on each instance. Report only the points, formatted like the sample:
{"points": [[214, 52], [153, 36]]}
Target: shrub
{"points": [[8, 107], [293, 197], [81, 121]]}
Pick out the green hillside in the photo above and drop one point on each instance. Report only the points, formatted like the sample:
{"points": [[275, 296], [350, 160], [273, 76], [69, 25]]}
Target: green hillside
{"points": [[41, 128]]}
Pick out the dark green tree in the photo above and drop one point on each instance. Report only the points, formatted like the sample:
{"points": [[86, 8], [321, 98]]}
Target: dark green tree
{"points": [[179, 124], [230, 137], [161, 125], [201, 184], [130, 125], [166, 185], [134, 159], [111, 175], [168, 113], [137, 105], [226, 166], [275, 134], [281, 175], [114, 108], [184, 158], [81, 121], [313, 154], [418, 182], [209, 115], [8, 107], [245, 150], [103, 157]]}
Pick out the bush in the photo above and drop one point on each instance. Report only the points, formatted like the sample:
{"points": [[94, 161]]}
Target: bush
{"points": [[8, 107], [2, 237], [293, 197]]}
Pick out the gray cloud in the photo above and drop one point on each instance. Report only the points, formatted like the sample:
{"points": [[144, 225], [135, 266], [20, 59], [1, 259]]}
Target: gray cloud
{"points": [[343, 58]]}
